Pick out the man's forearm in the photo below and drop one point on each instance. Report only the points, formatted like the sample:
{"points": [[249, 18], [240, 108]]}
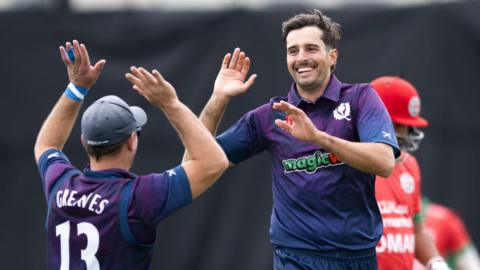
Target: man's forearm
{"points": [[196, 139], [424, 246], [213, 112], [211, 116], [57, 127], [374, 158]]}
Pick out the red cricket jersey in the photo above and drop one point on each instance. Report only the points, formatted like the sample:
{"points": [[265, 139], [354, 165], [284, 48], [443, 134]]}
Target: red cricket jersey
{"points": [[447, 231], [398, 198]]}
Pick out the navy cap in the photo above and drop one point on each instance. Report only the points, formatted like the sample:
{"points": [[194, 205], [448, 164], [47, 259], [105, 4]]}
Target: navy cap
{"points": [[109, 120]]}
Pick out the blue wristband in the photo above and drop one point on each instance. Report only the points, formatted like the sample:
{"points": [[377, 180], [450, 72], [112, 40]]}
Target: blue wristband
{"points": [[75, 92]]}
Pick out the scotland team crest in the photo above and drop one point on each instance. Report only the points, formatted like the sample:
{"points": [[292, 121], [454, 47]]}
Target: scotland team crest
{"points": [[342, 112]]}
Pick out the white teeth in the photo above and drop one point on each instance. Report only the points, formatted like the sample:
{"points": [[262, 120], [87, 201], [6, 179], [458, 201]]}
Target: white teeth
{"points": [[304, 69]]}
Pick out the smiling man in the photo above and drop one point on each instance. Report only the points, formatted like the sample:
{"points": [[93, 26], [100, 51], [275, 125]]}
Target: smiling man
{"points": [[327, 140]]}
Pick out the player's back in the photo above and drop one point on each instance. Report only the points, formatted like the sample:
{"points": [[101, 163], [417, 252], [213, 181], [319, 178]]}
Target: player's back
{"points": [[85, 219]]}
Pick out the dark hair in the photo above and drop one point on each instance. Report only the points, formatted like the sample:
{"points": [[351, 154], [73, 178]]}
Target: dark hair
{"points": [[99, 151], [331, 30]]}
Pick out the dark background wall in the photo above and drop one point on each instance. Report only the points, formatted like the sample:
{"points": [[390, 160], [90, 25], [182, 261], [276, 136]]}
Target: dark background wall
{"points": [[435, 47]]}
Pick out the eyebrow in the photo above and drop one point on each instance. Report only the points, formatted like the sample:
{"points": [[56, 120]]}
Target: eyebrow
{"points": [[307, 45]]}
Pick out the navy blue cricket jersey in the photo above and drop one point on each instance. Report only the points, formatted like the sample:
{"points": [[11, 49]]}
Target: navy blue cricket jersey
{"points": [[319, 202], [105, 219]]}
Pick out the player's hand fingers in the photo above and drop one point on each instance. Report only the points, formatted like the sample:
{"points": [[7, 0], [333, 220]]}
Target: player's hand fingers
{"points": [[283, 125], [226, 60], [245, 67], [287, 108], [240, 62], [281, 107], [136, 71], [158, 76], [233, 61], [63, 54], [84, 54], [150, 78], [76, 51], [140, 91], [70, 52], [133, 79]]}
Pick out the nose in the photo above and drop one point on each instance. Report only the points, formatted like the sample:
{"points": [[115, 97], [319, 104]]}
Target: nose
{"points": [[301, 55]]}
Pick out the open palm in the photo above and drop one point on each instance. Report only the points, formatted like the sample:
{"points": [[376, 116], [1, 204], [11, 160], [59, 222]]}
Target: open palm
{"points": [[230, 80], [80, 71]]}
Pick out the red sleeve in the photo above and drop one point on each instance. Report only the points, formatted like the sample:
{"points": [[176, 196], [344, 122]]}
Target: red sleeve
{"points": [[458, 236]]}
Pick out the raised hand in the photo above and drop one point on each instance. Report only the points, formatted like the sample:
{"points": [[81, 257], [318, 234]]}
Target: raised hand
{"points": [[231, 78], [297, 122], [80, 71], [152, 86]]}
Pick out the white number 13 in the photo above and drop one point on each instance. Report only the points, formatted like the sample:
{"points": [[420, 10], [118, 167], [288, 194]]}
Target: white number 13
{"points": [[87, 254]]}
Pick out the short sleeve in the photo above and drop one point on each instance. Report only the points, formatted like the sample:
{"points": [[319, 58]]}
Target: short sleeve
{"points": [[51, 165], [242, 140], [158, 195], [458, 236], [373, 121]]}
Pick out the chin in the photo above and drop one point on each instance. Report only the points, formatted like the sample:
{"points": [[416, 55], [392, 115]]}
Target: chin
{"points": [[307, 86]]}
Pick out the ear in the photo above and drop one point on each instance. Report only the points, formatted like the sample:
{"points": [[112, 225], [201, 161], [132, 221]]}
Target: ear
{"points": [[82, 139], [333, 55], [131, 142]]}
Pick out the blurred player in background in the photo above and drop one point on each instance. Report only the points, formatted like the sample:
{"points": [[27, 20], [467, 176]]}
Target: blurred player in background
{"points": [[105, 217], [450, 236], [327, 141], [398, 196]]}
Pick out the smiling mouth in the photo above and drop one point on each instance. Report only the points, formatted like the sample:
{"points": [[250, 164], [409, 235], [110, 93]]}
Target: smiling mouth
{"points": [[304, 69]]}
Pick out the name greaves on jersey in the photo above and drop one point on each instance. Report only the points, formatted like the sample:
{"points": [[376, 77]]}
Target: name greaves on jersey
{"points": [[92, 202]]}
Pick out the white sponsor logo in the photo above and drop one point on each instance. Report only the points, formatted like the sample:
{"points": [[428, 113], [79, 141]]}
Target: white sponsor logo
{"points": [[386, 134], [171, 172], [96, 142], [342, 112], [391, 207], [407, 182], [397, 222], [396, 243], [52, 155]]}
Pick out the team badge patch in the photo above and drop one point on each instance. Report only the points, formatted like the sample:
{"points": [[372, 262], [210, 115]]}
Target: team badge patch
{"points": [[342, 112], [407, 182], [414, 107]]}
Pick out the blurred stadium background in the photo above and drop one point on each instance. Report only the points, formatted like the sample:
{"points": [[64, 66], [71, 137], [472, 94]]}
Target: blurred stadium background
{"points": [[434, 44]]}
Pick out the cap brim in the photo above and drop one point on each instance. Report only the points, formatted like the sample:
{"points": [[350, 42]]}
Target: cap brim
{"points": [[417, 122], [139, 115]]}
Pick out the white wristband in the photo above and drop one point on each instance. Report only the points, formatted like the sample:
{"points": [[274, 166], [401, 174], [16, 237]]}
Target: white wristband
{"points": [[76, 93], [437, 263]]}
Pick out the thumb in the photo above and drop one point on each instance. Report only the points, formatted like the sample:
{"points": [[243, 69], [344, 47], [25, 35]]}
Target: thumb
{"points": [[283, 125], [99, 65], [249, 82]]}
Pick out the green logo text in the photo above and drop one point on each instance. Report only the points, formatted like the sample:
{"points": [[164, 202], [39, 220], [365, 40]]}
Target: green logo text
{"points": [[311, 163]]}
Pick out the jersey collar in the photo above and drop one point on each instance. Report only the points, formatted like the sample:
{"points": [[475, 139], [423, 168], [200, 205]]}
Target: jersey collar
{"points": [[110, 173], [332, 92]]}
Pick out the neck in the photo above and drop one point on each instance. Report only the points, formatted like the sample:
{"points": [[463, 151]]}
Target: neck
{"points": [[314, 93], [107, 162]]}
